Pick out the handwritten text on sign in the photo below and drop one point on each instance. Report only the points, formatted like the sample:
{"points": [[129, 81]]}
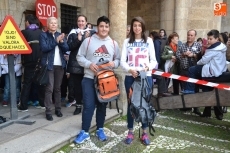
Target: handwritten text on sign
{"points": [[11, 39]]}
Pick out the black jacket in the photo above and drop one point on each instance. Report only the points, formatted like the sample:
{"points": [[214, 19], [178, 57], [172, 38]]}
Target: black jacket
{"points": [[74, 45], [30, 60]]}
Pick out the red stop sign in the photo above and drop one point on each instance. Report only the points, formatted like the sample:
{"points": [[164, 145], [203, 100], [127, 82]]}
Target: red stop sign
{"points": [[45, 9]]}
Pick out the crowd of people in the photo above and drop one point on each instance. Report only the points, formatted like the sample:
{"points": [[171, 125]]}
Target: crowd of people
{"points": [[72, 58]]}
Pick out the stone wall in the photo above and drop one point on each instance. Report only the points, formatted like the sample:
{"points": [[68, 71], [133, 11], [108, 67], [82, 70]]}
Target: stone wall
{"points": [[149, 10], [91, 8], [225, 22], [195, 14]]}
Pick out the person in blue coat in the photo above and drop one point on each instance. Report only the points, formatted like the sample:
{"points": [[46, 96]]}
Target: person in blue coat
{"points": [[53, 46]]}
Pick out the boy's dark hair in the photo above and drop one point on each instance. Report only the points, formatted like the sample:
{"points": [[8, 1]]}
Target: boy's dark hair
{"points": [[32, 19], [215, 33], [103, 19]]}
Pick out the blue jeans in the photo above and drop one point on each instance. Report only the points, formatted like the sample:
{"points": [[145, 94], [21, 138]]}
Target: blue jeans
{"points": [[193, 72], [6, 93], [128, 83], [90, 102]]}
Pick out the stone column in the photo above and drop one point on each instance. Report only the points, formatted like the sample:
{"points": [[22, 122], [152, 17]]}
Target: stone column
{"points": [[181, 18], [118, 24], [167, 16]]}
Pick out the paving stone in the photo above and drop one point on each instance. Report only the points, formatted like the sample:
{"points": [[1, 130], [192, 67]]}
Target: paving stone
{"points": [[35, 142], [6, 136]]}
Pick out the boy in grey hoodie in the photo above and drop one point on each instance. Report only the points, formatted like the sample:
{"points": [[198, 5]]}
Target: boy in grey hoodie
{"points": [[212, 63], [98, 46]]}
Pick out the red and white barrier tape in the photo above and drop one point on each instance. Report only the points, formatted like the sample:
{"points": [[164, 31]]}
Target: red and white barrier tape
{"points": [[196, 81]]}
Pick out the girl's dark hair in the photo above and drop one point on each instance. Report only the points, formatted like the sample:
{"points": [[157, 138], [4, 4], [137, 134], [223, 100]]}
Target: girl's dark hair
{"points": [[164, 32], [132, 34], [224, 37], [82, 16], [171, 36], [199, 39], [155, 35]]}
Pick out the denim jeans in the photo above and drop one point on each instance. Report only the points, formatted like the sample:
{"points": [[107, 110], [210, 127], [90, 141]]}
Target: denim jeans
{"points": [[89, 103], [6, 93], [128, 83], [193, 72]]}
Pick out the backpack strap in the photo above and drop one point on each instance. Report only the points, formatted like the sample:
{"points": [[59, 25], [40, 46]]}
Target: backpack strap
{"points": [[88, 44], [143, 76], [113, 44], [151, 129], [110, 106], [117, 106]]}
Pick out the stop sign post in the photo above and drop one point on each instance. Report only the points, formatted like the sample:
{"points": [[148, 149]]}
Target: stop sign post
{"points": [[45, 9]]}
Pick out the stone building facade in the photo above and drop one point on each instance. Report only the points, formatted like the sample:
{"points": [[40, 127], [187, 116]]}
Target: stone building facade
{"points": [[171, 15], [179, 15]]}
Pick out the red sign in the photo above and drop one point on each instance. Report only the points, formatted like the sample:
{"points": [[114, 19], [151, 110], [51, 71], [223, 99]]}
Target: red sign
{"points": [[12, 40], [45, 9]]}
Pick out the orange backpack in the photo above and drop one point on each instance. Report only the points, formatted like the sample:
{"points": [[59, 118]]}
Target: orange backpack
{"points": [[106, 83]]}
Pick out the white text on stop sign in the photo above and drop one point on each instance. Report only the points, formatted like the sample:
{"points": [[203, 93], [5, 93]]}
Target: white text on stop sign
{"points": [[46, 9]]}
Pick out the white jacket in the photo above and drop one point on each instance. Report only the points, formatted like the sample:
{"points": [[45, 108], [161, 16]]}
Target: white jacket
{"points": [[17, 64], [214, 60]]}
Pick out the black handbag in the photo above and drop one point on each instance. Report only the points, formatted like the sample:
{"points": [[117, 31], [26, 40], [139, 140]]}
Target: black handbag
{"points": [[41, 76]]}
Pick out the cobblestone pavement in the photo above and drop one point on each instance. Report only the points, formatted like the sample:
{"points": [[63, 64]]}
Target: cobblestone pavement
{"points": [[175, 132]]}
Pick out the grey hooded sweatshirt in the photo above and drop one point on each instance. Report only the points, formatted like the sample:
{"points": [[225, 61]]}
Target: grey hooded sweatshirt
{"points": [[214, 60], [93, 49]]}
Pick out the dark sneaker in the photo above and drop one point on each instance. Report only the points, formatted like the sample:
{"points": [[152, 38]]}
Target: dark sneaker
{"points": [[145, 139], [81, 137], [29, 103], [101, 135], [22, 110], [196, 111], [77, 110], [58, 113], [49, 117], [35, 103], [69, 104], [4, 103], [63, 100], [129, 138]]}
